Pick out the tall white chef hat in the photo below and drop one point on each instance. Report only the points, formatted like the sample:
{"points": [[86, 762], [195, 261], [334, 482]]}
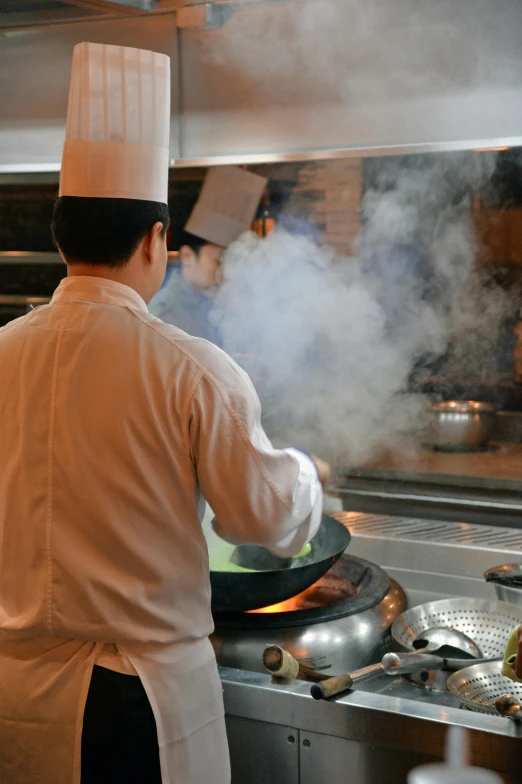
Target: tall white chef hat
{"points": [[118, 124], [227, 204]]}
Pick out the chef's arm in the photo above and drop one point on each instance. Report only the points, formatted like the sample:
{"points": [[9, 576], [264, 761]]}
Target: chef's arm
{"points": [[260, 495]]}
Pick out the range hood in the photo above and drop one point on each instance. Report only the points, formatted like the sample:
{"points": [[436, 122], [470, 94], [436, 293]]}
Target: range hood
{"points": [[267, 80]]}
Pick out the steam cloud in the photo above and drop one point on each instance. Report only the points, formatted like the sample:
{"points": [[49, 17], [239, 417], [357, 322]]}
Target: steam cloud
{"points": [[333, 340]]}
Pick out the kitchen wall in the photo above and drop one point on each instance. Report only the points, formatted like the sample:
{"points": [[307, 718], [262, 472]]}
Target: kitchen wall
{"points": [[25, 216], [322, 196], [326, 194], [329, 194]]}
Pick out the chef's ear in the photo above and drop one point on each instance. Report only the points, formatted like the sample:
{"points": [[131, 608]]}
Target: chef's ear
{"points": [[154, 240], [187, 256]]}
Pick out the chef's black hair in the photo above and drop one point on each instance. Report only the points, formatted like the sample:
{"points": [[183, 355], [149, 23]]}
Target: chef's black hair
{"points": [[196, 243], [104, 231]]}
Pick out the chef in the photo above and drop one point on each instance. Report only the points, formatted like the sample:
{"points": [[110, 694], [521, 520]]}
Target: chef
{"points": [[224, 211], [114, 427]]}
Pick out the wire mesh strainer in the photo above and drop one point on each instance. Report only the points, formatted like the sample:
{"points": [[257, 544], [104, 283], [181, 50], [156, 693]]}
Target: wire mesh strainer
{"points": [[478, 686], [488, 623]]}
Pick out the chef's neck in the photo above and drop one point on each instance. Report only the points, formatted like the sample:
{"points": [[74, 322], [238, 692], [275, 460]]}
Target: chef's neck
{"points": [[128, 275]]}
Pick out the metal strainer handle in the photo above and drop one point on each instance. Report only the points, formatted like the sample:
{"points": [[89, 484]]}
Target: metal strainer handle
{"points": [[509, 706]]}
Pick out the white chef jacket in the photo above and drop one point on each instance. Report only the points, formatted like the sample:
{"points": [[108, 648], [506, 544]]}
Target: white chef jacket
{"points": [[113, 427]]}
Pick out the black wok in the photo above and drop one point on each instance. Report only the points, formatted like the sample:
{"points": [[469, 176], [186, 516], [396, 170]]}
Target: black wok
{"points": [[240, 591]]}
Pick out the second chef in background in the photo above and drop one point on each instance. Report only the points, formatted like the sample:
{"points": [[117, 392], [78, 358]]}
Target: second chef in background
{"points": [[225, 209]]}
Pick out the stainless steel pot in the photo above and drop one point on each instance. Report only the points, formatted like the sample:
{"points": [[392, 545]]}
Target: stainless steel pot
{"points": [[507, 581], [459, 426]]}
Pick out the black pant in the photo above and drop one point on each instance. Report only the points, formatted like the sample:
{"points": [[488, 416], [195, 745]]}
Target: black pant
{"points": [[119, 740]]}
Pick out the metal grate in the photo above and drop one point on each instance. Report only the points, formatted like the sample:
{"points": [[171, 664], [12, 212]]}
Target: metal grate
{"points": [[483, 537]]}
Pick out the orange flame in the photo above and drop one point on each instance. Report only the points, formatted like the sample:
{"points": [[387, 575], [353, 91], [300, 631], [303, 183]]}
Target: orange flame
{"points": [[295, 603]]}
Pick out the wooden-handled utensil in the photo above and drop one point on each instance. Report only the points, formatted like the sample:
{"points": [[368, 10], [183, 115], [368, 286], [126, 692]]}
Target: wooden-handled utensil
{"points": [[392, 664], [341, 683], [281, 664]]}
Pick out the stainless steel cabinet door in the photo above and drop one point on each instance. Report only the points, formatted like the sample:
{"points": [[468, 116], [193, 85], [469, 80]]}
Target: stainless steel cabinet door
{"points": [[262, 753], [328, 760]]}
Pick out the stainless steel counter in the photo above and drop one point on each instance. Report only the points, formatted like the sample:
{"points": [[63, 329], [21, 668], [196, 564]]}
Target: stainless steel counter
{"points": [[378, 732], [383, 728], [483, 487], [496, 468], [433, 559], [431, 500]]}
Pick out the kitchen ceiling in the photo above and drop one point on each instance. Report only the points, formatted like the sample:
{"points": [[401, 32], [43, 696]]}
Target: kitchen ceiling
{"points": [[28, 13]]}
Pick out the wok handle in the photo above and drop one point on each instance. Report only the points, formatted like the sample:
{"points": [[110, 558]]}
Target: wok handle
{"points": [[403, 663], [280, 663], [459, 664], [331, 687], [503, 579]]}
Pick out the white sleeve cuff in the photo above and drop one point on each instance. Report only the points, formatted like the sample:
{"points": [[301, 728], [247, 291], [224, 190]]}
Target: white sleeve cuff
{"points": [[307, 507]]}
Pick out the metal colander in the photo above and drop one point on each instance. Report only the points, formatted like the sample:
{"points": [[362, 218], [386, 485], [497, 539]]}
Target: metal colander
{"points": [[489, 624], [478, 686]]}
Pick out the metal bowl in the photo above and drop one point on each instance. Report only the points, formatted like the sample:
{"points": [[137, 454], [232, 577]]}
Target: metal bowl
{"points": [[459, 425], [507, 581], [488, 623]]}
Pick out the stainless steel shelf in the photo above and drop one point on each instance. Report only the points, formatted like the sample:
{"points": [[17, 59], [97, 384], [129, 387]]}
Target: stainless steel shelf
{"points": [[51, 170], [427, 500], [31, 257]]}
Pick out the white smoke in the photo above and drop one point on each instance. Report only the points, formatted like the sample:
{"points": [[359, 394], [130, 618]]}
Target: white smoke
{"points": [[331, 342]]}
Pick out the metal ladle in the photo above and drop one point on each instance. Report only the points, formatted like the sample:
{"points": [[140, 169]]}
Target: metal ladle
{"points": [[447, 642], [451, 649]]}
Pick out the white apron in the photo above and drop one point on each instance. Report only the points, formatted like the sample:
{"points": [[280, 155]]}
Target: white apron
{"points": [[114, 425], [41, 737]]}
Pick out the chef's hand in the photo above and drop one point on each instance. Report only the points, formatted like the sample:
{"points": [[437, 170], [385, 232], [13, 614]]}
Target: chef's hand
{"points": [[323, 469], [518, 663]]}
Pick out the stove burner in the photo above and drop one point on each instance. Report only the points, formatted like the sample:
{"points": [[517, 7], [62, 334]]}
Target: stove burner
{"points": [[331, 589], [351, 586]]}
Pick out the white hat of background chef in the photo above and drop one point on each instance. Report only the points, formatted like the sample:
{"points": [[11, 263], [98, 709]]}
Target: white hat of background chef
{"points": [[227, 205], [118, 124]]}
